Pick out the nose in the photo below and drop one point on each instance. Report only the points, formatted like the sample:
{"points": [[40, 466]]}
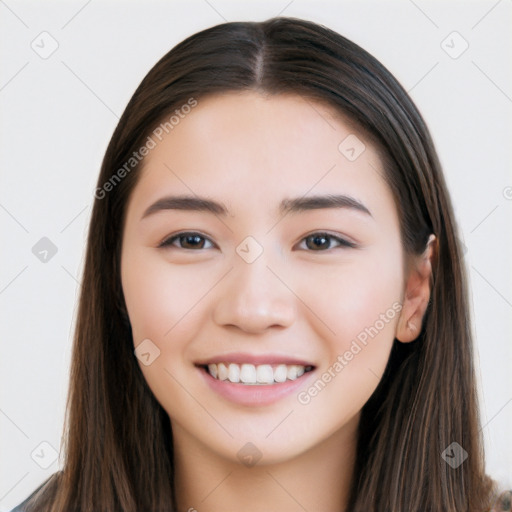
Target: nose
{"points": [[255, 296]]}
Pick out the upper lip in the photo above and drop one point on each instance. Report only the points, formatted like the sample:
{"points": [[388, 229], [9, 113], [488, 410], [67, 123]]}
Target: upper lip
{"points": [[240, 358]]}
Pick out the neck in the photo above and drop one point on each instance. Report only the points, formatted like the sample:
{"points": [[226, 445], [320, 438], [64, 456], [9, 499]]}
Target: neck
{"points": [[318, 479]]}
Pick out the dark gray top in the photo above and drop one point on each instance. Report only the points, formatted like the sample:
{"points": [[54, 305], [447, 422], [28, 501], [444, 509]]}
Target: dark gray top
{"points": [[21, 506]]}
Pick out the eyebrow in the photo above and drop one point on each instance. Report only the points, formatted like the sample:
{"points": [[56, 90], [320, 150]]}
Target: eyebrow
{"points": [[295, 205]]}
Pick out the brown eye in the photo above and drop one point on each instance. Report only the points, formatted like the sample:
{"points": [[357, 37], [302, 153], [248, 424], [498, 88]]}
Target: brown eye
{"points": [[188, 240], [322, 241]]}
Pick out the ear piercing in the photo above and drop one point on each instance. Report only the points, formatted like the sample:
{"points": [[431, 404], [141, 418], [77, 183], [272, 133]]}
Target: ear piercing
{"points": [[411, 326]]}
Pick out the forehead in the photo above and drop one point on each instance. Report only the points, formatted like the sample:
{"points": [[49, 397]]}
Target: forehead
{"points": [[251, 150]]}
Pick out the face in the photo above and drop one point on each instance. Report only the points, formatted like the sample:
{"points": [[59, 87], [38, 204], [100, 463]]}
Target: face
{"points": [[307, 298]]}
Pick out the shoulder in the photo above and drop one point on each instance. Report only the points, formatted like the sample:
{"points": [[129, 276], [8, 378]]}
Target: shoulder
{"points": [[503, 503], [22, 506]]}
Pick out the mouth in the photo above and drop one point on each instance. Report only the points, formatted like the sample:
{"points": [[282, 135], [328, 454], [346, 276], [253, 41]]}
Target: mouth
{"points": [[247, 374], [253, 380]]}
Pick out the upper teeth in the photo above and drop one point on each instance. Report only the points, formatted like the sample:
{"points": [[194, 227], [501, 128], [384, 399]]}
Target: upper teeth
{"points": [[251, 374]]}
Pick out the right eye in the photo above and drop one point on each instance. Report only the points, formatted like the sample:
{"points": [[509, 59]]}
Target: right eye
{"points": [[189, 240]]}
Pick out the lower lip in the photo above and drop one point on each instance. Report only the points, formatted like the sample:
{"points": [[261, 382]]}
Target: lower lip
{"points": [[254, 395]]}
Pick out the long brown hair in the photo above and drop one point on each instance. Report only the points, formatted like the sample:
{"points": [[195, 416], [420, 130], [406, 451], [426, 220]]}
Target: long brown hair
{"points": [[118, 439]]}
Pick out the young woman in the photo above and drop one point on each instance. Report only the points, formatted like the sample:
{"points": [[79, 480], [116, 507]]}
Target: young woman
{"points": [[274, 310]]}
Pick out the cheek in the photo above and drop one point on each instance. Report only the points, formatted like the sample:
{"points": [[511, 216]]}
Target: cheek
{"points": [[362, 308], [359, 305], [165, 305], [353, 296], [163, 300]]}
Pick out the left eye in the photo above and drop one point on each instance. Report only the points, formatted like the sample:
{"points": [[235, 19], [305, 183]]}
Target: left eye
{"points": [[322, 241], [315, 241]]}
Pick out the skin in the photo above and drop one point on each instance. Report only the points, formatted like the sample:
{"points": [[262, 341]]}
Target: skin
{"points": [[249, 152]]}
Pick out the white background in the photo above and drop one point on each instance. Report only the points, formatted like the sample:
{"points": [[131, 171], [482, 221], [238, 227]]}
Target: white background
{"points": [[57, 118]]}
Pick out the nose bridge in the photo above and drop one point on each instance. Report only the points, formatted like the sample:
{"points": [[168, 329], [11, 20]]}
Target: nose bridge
{"points": [[254, 295]]}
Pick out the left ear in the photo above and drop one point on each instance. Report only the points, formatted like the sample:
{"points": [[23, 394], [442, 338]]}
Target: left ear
{"points": [[417, 294]]}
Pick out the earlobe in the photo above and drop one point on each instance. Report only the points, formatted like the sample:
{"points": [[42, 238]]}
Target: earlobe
{"points": [[416, 294]]}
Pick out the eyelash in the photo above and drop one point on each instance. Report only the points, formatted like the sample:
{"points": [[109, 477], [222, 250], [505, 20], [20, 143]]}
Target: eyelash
{"points": [[167, 243]]}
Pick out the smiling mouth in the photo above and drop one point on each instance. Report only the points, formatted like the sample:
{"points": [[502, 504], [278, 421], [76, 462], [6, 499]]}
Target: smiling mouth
{"points": [[256, 375]]}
